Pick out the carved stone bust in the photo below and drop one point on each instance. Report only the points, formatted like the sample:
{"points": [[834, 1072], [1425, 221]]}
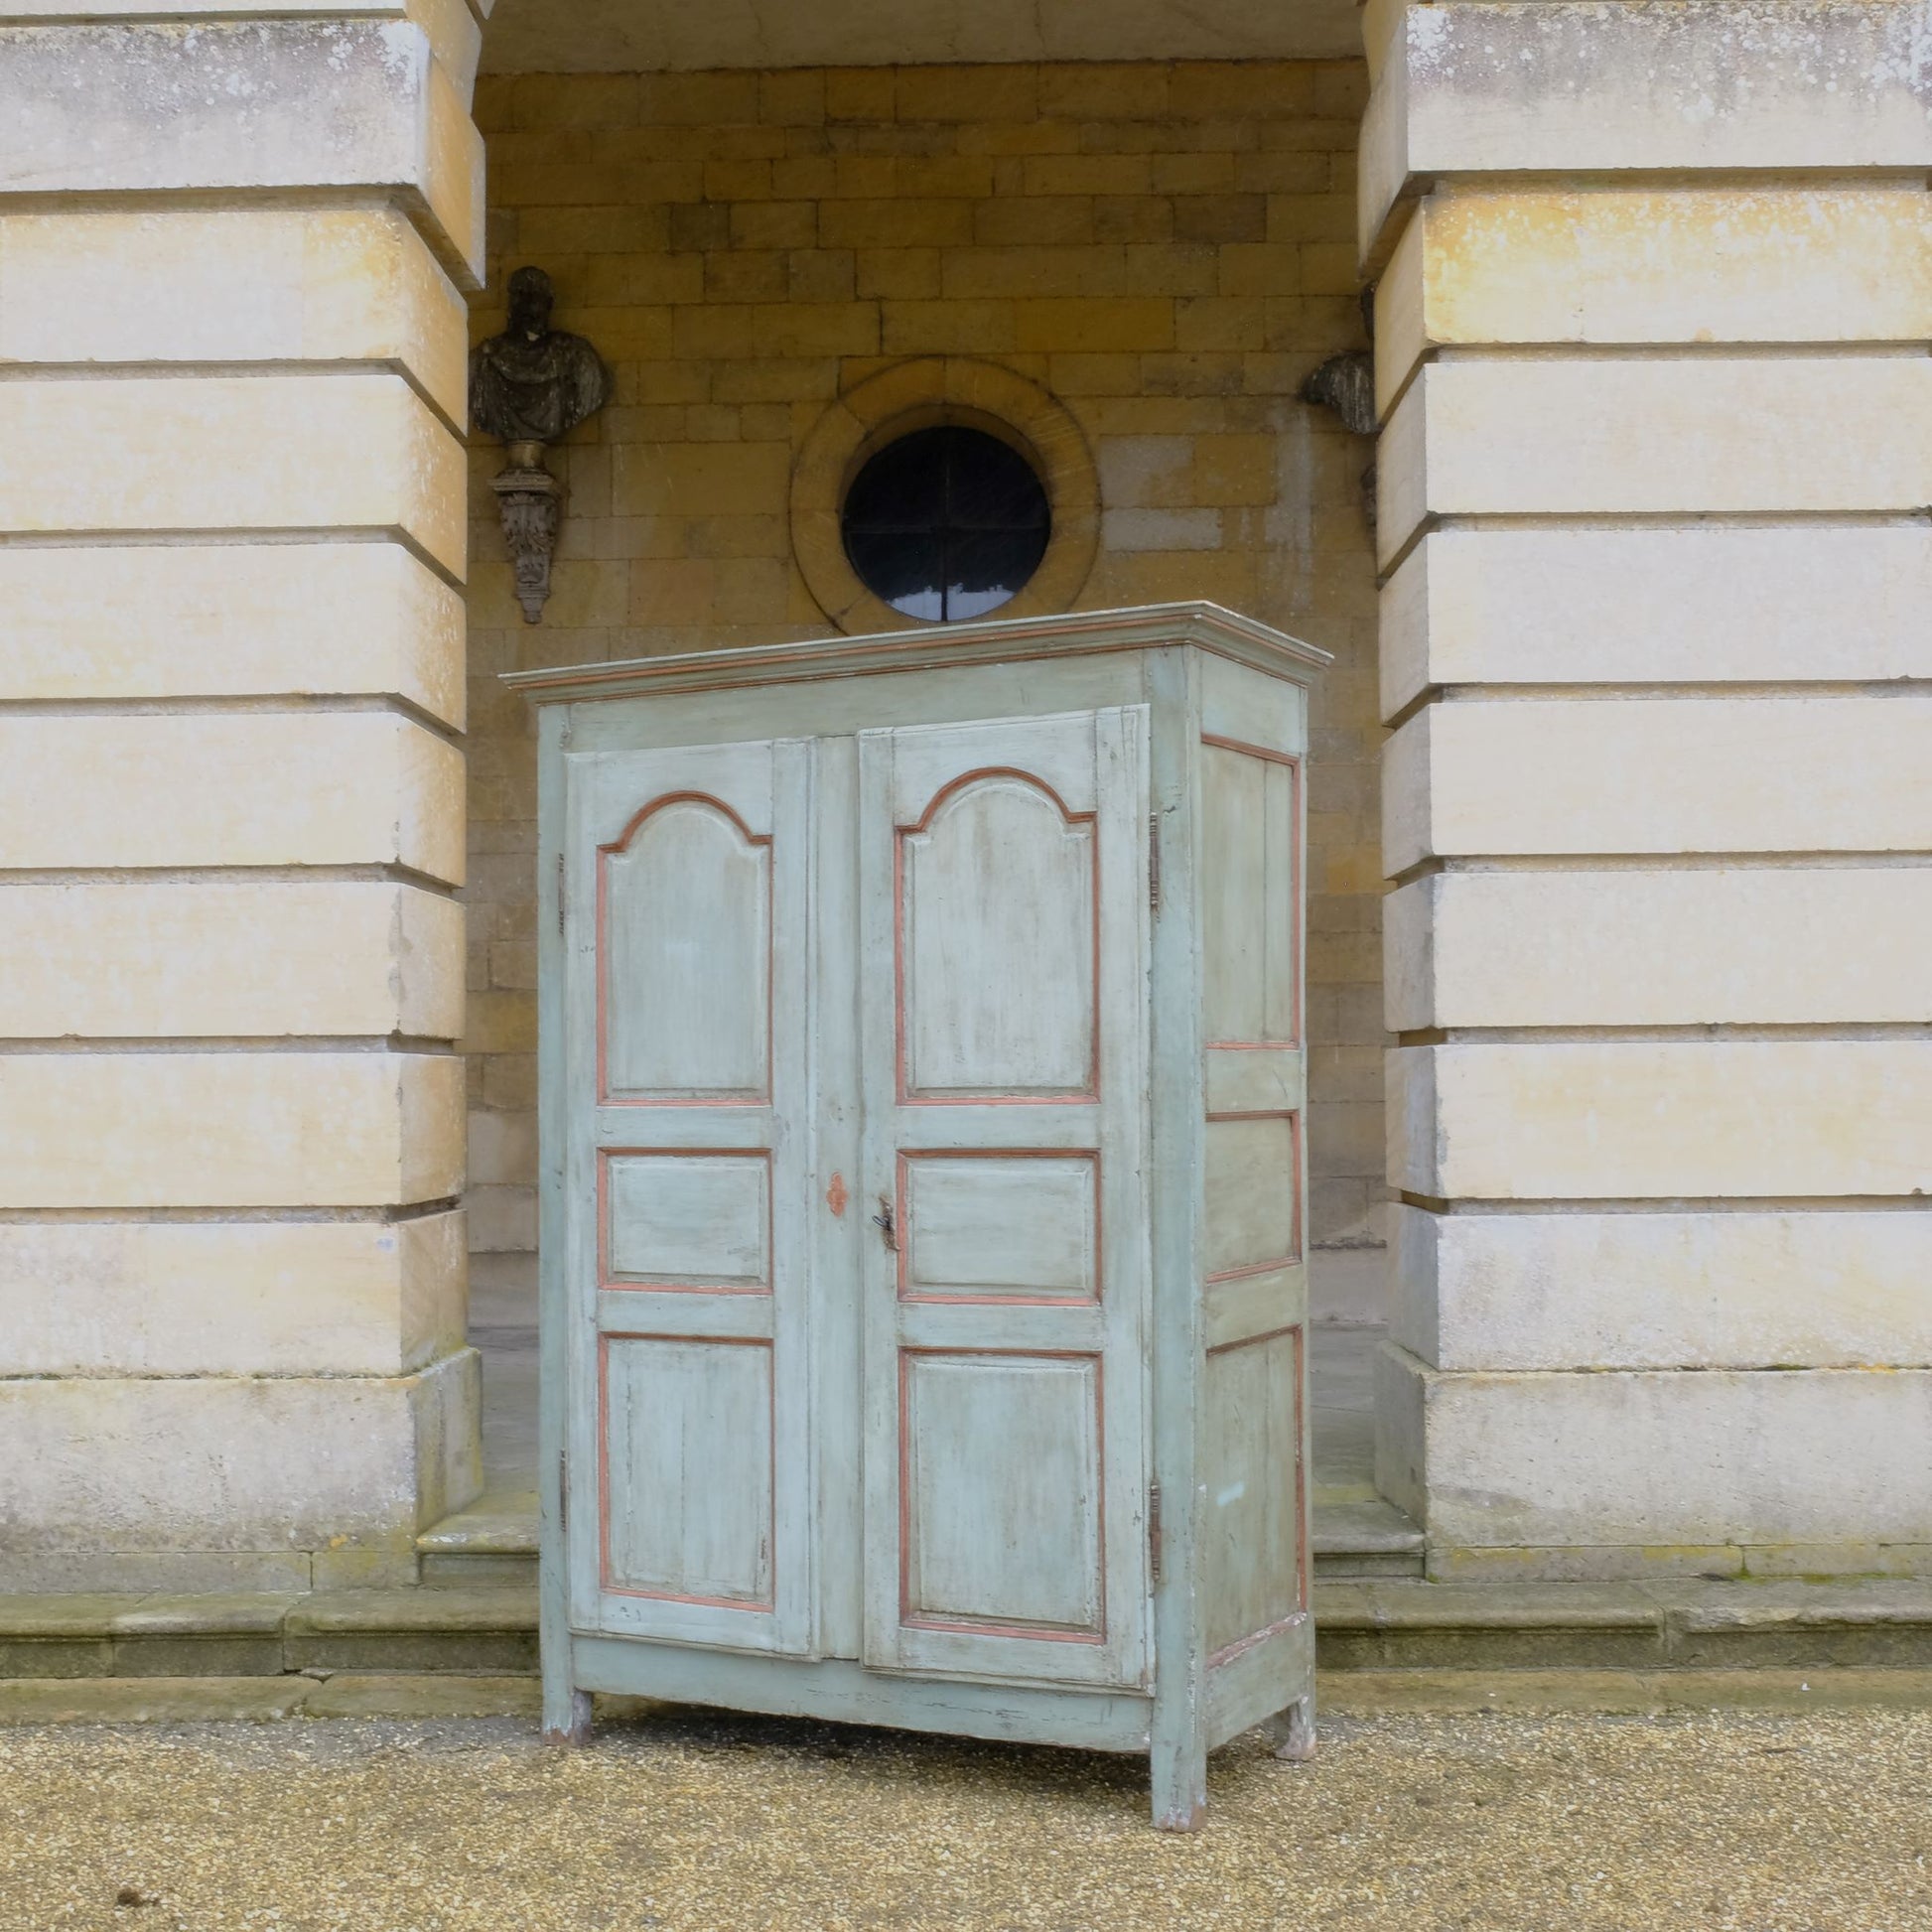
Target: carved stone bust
{"points": [[534, 383]]}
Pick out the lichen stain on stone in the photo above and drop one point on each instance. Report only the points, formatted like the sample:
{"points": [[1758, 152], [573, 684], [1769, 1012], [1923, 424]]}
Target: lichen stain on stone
{"points": [[1710, 58]]}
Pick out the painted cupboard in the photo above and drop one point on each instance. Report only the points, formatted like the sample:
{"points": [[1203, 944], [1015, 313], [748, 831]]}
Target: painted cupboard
{"points": [[924, 1300]]}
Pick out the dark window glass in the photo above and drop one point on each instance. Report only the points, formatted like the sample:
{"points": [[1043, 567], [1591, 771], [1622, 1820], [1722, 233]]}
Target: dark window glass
{"points": [[946, 523]]}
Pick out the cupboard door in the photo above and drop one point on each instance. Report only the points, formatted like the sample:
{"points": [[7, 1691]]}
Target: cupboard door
{"points": [[1003, 895], [688, 1490]]}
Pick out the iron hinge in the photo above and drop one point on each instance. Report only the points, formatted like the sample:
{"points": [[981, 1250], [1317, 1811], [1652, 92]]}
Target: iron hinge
{"points": [[1154, 1529], [1154, 861], [560, 892], [563, 1490]]}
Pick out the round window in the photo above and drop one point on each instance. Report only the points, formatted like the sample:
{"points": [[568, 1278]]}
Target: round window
{"points": [[946, 523]]}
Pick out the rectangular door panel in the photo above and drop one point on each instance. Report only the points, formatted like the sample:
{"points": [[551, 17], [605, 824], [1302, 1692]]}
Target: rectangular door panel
{"points": [[1002, 1480], [1020, 1227], [1252, 1178], [1002, 975], [689, 1150], [687, 1220], [687, 1476], [1251, 891], [1252, 1552]]}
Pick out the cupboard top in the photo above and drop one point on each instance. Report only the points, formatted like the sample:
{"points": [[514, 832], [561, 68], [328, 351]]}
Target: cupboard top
{"points": [[1207, 626]]}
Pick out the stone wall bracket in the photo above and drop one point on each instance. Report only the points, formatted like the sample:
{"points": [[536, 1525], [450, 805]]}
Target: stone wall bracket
{"points": [[530, 501]]}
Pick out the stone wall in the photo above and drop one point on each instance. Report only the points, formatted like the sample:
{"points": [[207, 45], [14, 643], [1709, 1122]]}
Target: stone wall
{"points": [[1656, 290], [1166, 248], [231, 795]]}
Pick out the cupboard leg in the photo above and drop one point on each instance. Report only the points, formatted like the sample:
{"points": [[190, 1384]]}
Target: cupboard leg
{"points": [[1179, 1788], [566, 1715], [1292, 1731]]}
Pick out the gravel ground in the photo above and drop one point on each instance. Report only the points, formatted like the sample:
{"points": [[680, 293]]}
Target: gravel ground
{"points": [[715, 1822]]}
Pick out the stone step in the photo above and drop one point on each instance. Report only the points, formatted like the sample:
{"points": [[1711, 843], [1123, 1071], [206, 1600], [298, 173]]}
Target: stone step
{"points": [[1696, 1624], [456, 1627], [1395, 1625], [1360, 1539], [496, 1539]]}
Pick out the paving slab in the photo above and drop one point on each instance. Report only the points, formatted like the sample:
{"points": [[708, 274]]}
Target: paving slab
{"points": [[151, 1700], [234, 1613], [484, 1608], [429, 1693], [503, 1522], [1372, 1693], [1787, 1603], [66, 1613]]}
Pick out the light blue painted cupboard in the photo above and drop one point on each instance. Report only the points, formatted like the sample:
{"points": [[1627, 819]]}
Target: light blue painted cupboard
{"points": [[923, 1075]]}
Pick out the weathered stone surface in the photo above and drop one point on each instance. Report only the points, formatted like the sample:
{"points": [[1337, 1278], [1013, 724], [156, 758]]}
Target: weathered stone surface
{"points": [[1745, 946], [1480, 86], [1674, 1119], [206, 1463], [229, 1130], [231, 619], [1542, 265], [618, 35], [132, 1573], [231, 285], [1534, 776], [1687, 605], [455, 35], [297, 788], [242, 960], [244, 105], [231, 1297], [1608, 435], [1667, 1290], [466, 1628], [1628, 1457], [158, 1700], [445, 1694], [63, 1657], [1528, 1626], [355, 451], [1637, 1693], [1505, 1566]]}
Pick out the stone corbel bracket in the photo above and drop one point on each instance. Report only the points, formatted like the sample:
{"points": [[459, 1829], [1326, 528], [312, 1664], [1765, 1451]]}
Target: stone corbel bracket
{"points": [[1345, 386], [530, 501]]}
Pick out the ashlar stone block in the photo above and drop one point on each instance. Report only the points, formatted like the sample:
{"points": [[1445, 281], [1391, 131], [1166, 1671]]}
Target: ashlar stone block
{"points": [[1715, 1457], [1540, 266], [355, 451], [222, 1463], [231, 619], [304, 1129], [381, 1298], [1690, 604], [1742, 1288], [1661, 1119], [232, 285], [1746, 774], [1748, 945], [297, 789], [242, 959], [1525, 87], [1612, 434], [453, 26], [128, 108]]}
